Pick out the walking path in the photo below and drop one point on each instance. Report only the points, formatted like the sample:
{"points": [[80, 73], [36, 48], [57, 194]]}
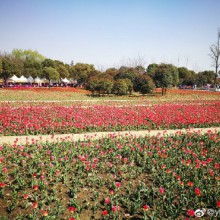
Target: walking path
{"points": [[22, 140]]}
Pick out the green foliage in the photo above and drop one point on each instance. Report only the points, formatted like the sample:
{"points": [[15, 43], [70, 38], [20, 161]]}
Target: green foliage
{"points": [[32, 68], [0, 65], [184, 75], [126, 73], [8, 68], [101, 86], [140, 69], [205, 77], [111, 72], [151, 69], [81, 72], [144, 84], [164, 77], [51, 73], [129, 84], [120, 87], [61, 69], [48, 63], [27, 54]]}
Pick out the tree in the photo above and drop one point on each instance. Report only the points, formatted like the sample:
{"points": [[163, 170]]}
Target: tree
{"points": [[151, 69], [8, 68], [134, 62], [163, 77], [140, 69], [0, 65], [144, 84], [184, 75], [120, 87], [30, 54], [205, 77], [81, 72], [32, 68], [129, 85], [105, 86], [99, 85], [111, 72], [126, 73], [92, 85], [215, 55], [50, 74], [48, 63], [61, 69]]}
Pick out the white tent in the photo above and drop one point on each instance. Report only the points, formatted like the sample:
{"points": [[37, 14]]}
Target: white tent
{"points": [[73, 81], [30, 79], [22, 79], [14, 78], [37, 80], [65, 80]]}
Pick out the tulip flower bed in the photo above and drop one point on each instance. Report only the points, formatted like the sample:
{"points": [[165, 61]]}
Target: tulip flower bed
{"points": [[112, 178], [62, 94], [73, 119]]}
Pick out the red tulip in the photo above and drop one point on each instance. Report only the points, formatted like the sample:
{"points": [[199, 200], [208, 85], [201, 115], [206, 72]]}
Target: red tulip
{"points": [[34, 205], [26, 196], [2, 185], [105, 212], [118, 184], [72, 209], [146, 207], [190, 213], [162, 190], [197, 192], [107, 201], [35, 187]]}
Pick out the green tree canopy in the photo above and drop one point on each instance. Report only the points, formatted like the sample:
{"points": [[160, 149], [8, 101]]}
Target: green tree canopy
{"points": [[28, 54], [32, 68], [205, 77], [51, 74], [48, 63], [99, 85], [165, 76], [8, 68], [144, 84], [61, 69], [151, 69], [128, 73], [111, 72], [120, 87], [81, 72]]}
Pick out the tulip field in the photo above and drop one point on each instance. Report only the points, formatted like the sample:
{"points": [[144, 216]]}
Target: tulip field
{"points": [[74, 119], [117, 177], [127, 178]]}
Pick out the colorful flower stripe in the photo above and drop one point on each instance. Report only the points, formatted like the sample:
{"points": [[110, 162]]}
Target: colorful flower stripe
{"points": [[55, 119]]}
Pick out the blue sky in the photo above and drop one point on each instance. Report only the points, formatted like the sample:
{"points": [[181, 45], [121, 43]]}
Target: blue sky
{"points": [[108, 32]]}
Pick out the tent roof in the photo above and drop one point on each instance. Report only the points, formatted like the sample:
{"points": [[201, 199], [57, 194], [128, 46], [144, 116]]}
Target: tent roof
{"points": [[22, 79], [65, 80], [37, 80], [14, 78], [30, 79]]}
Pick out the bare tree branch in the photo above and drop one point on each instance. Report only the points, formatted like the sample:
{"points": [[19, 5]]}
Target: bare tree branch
{"points": [[215, 55]]}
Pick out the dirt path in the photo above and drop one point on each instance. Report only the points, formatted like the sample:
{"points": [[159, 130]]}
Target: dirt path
{"points": [[22, 140]]}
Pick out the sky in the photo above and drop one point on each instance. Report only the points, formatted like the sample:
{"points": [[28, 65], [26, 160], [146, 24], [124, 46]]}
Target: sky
{"points": [[108, 33]]}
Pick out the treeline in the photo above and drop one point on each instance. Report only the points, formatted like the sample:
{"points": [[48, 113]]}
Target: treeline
{"points": [[121, 81]]}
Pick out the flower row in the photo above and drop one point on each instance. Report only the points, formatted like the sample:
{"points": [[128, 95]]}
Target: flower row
{"points": [[113, 178], [73, 119]]}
